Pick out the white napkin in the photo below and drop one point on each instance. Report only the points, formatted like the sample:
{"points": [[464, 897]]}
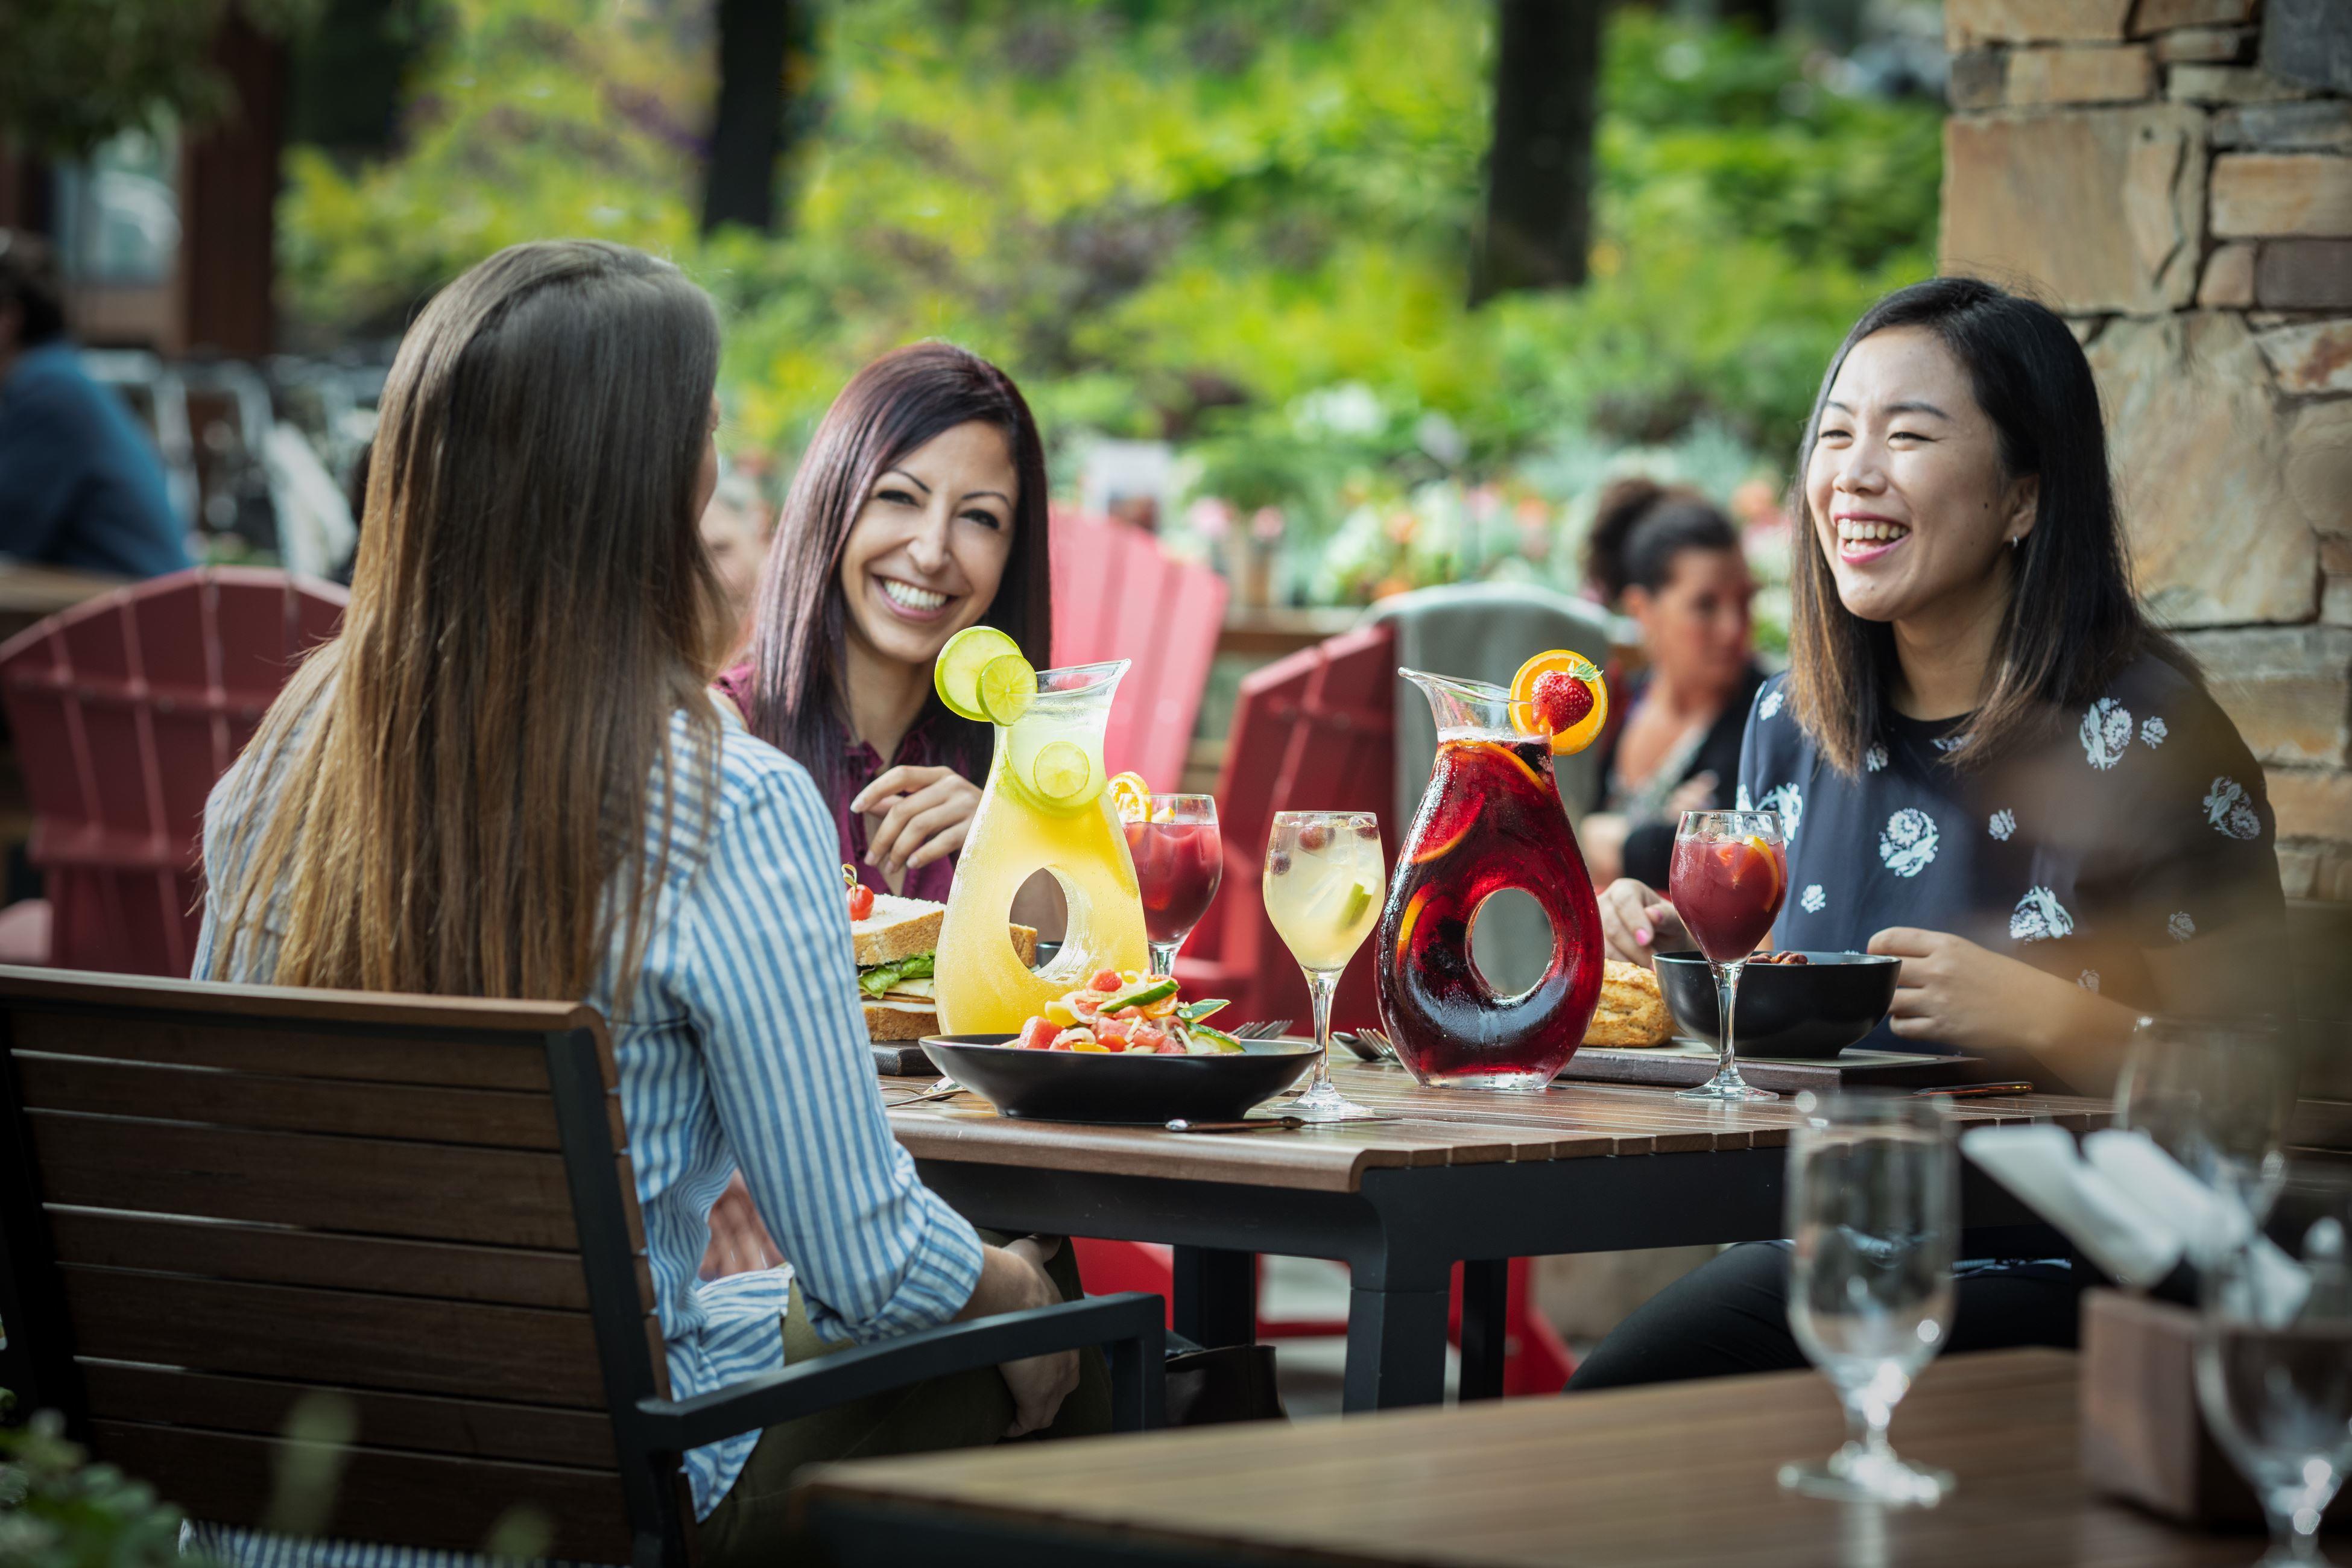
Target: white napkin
{"points": [[2042, 1166], [2133, 1209]]}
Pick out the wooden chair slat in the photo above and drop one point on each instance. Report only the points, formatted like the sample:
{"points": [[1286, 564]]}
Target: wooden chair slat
{"points": [[293, 1053], [364, 1185], [415, 1498], [484, 1428], [268, 1255], [505, 1119], [461, 1348]]}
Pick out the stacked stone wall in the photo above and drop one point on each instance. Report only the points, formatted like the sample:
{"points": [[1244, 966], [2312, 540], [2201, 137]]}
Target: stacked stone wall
{"points": [[2176, 177]]}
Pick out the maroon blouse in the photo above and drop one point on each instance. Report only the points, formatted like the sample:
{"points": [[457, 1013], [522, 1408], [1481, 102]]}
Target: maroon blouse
{"points": [[861, 765]]}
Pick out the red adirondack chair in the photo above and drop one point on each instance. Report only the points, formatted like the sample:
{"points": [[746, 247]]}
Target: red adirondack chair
{"points": [[1116, 594], [125, 712], [1311, 733]]}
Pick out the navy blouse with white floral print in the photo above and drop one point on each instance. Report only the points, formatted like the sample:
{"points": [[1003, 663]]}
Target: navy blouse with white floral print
{"points": [[2112, 853]]}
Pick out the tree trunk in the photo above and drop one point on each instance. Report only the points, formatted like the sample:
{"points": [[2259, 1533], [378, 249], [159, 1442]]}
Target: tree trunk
{"points": [[748, 132], [1539, 170]]}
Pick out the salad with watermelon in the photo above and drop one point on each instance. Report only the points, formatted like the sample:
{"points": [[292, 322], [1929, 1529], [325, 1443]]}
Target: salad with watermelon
{"points": [[1130, 1012]]}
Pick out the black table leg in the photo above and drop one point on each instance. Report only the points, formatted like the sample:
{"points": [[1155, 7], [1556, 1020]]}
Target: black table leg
{"points": [[1216, 1296], [1485, 1301], [1396, 1348]]}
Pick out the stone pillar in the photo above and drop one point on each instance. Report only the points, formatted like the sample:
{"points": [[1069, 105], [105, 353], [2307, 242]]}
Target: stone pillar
{"points": [[2175, 176]]}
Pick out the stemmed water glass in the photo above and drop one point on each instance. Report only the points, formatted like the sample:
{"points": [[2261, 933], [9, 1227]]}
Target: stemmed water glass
{"points": [[2216, 1094], [1179, 861], [1323, 880], [2275, 1357], [1874, 1211], [1729, 877]]}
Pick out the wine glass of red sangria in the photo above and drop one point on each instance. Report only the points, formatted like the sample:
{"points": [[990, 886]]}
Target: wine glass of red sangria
{"points": [[1729, 875], [1179, 861]]}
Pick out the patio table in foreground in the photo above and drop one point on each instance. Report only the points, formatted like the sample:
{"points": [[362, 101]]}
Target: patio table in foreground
{"points": [[1673, 1476], [1461, 1177]]}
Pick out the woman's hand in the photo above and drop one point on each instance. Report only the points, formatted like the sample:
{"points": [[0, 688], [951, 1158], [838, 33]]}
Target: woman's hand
{"points": [[1983, 1004], [1039, 1383], [740, 1243], [925, 812], [1636, 922]]}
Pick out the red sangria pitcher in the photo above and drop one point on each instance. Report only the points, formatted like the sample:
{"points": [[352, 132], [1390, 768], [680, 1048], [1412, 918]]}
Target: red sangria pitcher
{"points": [[1490, 820]]}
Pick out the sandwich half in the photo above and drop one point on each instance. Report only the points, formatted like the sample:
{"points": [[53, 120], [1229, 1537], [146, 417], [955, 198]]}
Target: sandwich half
{"points": [[895, 947]]}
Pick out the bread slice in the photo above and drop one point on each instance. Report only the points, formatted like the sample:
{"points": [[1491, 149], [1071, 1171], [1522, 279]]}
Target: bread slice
{"points": [[899, 928], [886, 1021]]}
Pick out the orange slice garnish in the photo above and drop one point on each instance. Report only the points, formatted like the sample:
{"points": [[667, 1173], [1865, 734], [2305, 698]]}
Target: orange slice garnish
{"points": [[1757, 847], [1130, 796], [1528, 714]]}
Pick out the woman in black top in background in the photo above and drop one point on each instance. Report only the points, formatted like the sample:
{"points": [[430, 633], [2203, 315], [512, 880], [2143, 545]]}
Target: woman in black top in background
{"points": [[1990, 764], [1671, 561]]}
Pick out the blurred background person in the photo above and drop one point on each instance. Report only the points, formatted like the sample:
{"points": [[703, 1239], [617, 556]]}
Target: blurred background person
{"points": [[80, 484], [1671, 561], [735, 530]]}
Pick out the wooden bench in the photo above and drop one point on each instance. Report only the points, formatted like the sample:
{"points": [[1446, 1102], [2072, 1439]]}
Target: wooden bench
{"points": [[217, 1201]]}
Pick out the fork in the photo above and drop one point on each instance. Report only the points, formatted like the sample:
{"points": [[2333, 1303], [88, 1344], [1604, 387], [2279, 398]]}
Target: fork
{"points": [[1270, 1029], [943, 1089], [1386, 1051]]}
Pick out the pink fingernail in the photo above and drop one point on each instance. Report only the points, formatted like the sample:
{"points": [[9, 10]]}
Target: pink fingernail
{"points": [[1644, 934]]}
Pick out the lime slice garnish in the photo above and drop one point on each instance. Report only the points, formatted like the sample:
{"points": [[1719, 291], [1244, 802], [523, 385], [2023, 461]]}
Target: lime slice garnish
{"points": [[1061, 772], [1359, 899], [1008, 684], [956, 675]]}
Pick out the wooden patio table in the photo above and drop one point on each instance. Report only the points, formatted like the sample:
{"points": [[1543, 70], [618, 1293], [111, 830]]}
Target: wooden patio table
{"points": [[1460, 1177], [1672, 1476]]}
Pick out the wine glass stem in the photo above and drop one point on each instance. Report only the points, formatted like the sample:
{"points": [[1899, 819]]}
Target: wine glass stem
{"points": [[1163, 955], [1866, 1421], [1318, 989], [1726, 995], [2294, 1528]]}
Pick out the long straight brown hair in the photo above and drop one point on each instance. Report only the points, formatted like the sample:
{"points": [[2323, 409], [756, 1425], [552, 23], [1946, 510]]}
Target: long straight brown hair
{"points": [[2072, 621], [531, 603], [799, 703]]}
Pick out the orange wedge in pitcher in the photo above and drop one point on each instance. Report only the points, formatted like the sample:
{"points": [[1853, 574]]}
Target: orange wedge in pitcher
{"points": [[1560, 693], [1130, 796]]}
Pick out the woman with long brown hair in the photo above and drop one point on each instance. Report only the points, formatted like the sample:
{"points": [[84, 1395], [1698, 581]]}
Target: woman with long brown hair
{"points": [[1989, 764], [506, 778], [918, 509]]}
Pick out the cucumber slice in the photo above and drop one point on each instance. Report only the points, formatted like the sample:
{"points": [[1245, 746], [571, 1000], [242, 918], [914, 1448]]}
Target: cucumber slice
{"points": [[1193, 1012], [956, 675], [1141, 996]]}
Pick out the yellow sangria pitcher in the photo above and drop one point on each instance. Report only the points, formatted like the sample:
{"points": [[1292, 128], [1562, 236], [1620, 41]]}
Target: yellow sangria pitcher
{"points": [[1045, 807]]}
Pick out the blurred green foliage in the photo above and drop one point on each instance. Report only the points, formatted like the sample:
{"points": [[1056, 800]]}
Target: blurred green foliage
{"points": [[1223, 223], [75, 72], [58, 1510]]}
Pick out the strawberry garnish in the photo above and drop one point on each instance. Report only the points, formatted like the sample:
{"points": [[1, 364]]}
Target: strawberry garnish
{"points": [[1560, 700]]}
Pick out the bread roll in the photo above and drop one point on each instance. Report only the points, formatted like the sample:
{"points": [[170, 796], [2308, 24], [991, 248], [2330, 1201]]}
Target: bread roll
{"points": [[1631, 1011]]}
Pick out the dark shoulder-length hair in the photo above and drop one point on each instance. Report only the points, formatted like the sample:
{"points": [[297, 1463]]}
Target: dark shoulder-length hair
{"points": [[2071, 622], [798, 702]]}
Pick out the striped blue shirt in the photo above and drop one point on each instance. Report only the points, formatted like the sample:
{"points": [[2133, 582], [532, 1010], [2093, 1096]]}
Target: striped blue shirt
{"points": [[743, 1045]]}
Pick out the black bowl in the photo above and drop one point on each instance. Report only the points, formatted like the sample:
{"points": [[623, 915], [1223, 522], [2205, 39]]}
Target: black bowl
{"points": [[1082, 1086], [1807, 1011]]}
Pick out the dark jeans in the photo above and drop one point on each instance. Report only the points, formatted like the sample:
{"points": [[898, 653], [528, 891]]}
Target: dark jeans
{"points": [[1731, 1316], [967, 1410]]}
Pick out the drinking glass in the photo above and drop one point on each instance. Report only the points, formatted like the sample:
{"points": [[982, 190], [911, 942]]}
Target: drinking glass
{"points": [[1729, 875], [1874, 1211], [2216, 1094], [2275, 1357], [1179, 861], [1324, 879]]}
